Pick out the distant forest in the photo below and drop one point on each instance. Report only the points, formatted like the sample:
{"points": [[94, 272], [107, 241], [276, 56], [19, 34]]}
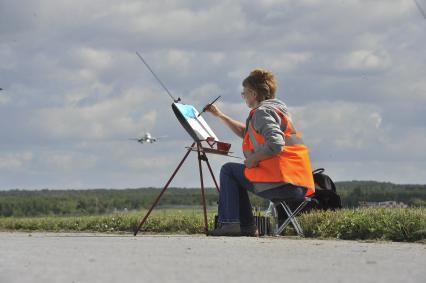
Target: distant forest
{"points": [[100, 201]]}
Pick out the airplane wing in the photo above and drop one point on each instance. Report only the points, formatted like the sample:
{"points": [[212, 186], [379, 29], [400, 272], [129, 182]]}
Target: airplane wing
{"points": [[136, 139]]}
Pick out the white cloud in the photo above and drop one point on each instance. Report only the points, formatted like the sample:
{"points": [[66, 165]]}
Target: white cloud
{"points": [[365, 60], [376, 119], [15, 161], [75, 89], [4, 99], [68, 161], [98, 59], [418, 89], [287, 62], [104, 119], [340, 124], [8, 56], [202, 93], [352, 132]]}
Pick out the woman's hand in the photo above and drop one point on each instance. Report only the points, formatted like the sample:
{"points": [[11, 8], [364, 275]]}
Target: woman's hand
{"points": [[214, 110], [251, 162], [254, 159], [237, 127]]}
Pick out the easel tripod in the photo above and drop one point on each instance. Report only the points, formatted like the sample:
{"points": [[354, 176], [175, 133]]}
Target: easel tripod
{"points": [[201, 157]]}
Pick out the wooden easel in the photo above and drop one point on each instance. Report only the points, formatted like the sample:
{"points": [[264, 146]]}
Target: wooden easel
{"points": [[201, 152]]}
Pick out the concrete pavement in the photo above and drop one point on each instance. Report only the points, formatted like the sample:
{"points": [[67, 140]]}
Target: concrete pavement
{"points": [[65, 257]]}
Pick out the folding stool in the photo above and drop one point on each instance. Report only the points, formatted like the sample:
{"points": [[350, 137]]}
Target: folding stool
{"points": [[291, 216]]}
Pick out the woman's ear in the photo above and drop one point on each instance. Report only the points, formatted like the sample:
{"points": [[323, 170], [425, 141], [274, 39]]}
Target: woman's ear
{"points": [[256, 96]]}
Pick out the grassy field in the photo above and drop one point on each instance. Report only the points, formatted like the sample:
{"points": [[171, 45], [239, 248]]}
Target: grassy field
{"points": [[407, 224]]}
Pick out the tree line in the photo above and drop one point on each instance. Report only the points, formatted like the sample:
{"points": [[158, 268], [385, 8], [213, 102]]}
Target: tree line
{"points": [[100, 201], [354, 192]]}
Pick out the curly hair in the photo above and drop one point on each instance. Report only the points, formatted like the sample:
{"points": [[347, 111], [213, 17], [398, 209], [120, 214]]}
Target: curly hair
{"points": [[262, 82]]}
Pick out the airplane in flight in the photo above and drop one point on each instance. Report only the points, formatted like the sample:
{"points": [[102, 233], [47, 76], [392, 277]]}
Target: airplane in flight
{"points": [[147, 138]]}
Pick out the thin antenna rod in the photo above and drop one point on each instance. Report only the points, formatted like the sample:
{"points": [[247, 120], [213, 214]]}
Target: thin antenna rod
{"points": [[161, 83], [420, 9]]}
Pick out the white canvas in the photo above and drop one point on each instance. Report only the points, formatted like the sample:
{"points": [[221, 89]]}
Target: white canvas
{"points": [[197, 123]]}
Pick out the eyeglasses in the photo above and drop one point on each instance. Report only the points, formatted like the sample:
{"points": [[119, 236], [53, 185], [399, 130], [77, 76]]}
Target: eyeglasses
{"points": [[244, 93]]}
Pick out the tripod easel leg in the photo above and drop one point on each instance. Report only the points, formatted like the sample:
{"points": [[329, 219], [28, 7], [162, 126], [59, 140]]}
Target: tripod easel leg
{"points": [[211, 173], [164, 189], [202, 187]]}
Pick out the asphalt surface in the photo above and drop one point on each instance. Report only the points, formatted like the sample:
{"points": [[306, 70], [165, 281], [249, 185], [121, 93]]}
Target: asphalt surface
{"points": [[59, 257]]}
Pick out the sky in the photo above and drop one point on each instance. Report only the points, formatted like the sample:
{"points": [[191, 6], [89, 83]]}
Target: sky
{"points": [[352, 73]]}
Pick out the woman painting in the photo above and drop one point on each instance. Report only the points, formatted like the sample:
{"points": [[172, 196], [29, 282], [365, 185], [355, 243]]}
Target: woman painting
{"points": [[277, 163]]}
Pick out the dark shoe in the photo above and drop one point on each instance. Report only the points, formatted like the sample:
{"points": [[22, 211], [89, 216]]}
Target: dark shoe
{"points": [[250, 231], [226, 230]]}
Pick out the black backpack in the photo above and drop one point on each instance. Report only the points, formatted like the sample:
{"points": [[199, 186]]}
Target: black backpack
{"points": [[325, 196]]}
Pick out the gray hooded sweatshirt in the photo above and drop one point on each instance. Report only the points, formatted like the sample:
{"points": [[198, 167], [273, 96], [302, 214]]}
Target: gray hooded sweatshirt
{"points": [[267, 122]]}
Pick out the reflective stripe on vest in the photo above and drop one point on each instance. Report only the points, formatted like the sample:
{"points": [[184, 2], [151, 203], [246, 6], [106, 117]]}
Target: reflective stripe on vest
{"points": [[292, 165]]}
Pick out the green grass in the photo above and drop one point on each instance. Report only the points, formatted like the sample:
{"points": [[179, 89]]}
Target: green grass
{"points": [[189, 221], [394, 224], [407, 224]]}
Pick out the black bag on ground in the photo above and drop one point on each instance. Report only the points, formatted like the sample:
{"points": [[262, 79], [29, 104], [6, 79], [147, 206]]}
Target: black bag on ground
{"points": [[325, 196]]}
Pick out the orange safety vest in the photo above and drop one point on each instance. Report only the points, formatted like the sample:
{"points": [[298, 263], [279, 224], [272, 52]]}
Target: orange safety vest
{"points": [[292, 165]]}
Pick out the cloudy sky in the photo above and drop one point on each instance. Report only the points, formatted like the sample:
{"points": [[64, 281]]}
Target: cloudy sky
{"points": [[352, 72]]}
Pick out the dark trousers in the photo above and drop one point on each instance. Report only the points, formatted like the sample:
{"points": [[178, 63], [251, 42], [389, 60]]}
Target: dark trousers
{"points": [[234, 202]]}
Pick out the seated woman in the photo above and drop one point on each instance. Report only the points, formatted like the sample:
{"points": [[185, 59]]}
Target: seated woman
{"points": [[277, 163]]}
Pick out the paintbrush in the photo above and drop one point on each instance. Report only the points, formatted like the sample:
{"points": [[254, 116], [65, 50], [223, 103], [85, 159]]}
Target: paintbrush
{"points": [[207, 106]]}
